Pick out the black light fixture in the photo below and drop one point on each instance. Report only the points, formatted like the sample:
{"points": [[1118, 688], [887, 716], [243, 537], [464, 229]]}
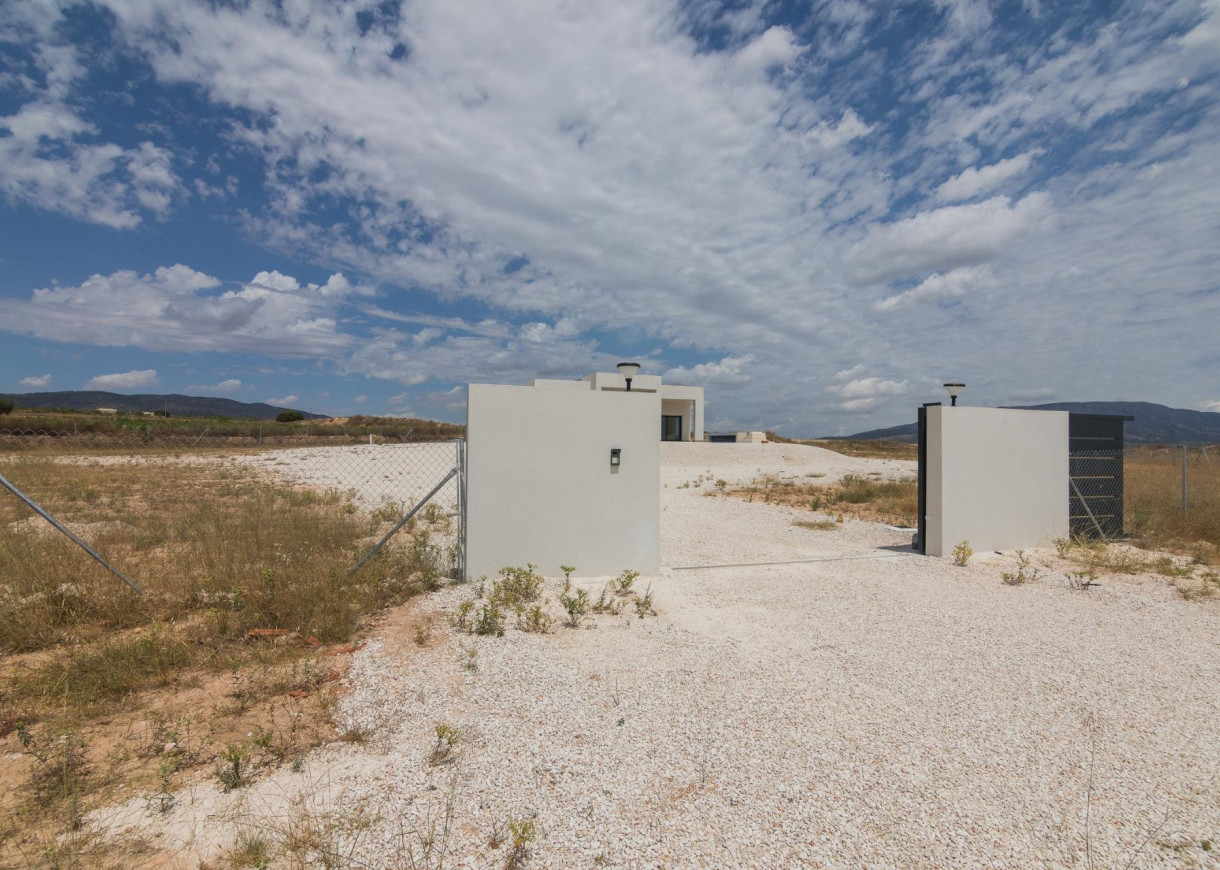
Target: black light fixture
{"points": [[628, 370], [953, 390]]}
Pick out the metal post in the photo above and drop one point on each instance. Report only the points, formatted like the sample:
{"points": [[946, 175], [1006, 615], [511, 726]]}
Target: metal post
{"points": [[423, 501], [1184, 492], [34, 506], [460, 445]]}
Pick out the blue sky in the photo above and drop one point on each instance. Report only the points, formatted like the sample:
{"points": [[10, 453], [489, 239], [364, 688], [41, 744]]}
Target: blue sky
{"points": [[819, 212]]}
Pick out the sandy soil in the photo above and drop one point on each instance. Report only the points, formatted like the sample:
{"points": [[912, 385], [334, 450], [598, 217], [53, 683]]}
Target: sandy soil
{"points": [[855, 706]]}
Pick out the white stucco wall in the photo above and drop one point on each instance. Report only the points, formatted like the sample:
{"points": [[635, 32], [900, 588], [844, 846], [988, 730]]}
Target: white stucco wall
{"points": [[997, 478], [540, 487]]}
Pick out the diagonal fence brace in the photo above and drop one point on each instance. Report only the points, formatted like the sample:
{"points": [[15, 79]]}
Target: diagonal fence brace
{"points": [[1087, 509], [423, 501], [76, 540]]}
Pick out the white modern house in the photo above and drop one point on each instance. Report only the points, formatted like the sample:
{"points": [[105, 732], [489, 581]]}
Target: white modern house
{"points": [[568, 472], [681, 410]]}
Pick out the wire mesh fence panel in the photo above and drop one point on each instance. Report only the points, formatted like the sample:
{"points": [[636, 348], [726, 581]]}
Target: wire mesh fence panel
{"points": [[1173, 494], [1096, 493], [218, 530]]}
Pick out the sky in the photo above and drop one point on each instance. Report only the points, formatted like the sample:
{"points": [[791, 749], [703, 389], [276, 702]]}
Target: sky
{"points": [[820, 212]]}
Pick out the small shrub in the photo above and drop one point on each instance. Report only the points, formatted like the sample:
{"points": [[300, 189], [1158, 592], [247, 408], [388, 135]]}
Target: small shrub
{"points": [[6, 406], [623, 582], [576, 604], [490, 621], [447, 738], [535, 620], [721, 484], [962, 553], [1023, 574], [523, 833], [423, 631], [461, 619], [250, 850], [471, 663], [234, 767], [605, 602], [517, 587], [1063, 546], [567, 572], [1166, 566], [289, 417], [60, 765], [643, 605], [390, 512]]}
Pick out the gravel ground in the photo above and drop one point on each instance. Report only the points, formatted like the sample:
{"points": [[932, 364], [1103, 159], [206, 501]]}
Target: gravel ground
{"points": [[863, 707]]}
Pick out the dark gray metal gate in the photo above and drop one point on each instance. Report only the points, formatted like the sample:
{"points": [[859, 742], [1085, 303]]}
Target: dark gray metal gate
{"points": [[920, 544], [1095, 475]]}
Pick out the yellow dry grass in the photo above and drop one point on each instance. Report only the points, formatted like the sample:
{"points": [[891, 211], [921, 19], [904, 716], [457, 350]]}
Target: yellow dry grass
{"points": [[245, 580]]}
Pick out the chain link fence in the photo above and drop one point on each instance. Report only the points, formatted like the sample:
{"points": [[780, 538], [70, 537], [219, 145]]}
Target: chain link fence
{"points": [[1155, 496], [291, 534], [1173, 494]]}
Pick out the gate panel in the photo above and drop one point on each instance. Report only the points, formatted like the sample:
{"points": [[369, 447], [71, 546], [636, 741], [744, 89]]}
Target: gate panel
{"points": [[1095, 469]]}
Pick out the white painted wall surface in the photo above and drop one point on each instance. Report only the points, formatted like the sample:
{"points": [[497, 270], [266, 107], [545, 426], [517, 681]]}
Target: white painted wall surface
{"points": [[540, 487], [997, 478]]}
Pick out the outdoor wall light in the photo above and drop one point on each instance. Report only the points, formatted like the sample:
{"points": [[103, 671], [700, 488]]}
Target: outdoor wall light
{"points": [[953, 390], [628, 370], [616, 457]]}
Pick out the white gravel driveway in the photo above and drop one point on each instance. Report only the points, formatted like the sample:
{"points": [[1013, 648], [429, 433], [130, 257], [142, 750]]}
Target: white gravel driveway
{"points": [[865, 707]]}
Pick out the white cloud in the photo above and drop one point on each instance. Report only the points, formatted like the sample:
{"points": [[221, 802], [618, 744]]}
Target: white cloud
{"points": [[1210, 406], [984, 179], [951, 285], [732, 370], [51, 156], [360, 400], [132, 380], [872, 388], [177, 308], [283, 400], [949, 237], [39, 381], [225, 387], [849, 127]]}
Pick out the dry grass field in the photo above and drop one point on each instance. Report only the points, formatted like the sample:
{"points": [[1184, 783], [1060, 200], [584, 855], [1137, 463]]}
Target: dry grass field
{"points": [[229, 654], [859, 496], [1153, 500]]}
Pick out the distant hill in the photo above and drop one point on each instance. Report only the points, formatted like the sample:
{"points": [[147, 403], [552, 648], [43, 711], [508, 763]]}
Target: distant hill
{"points": [[1154, 424], [176, 405]]}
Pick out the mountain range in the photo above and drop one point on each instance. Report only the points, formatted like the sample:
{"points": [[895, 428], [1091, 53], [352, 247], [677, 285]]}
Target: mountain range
{"points": [[174, 404], [1153, 424]]}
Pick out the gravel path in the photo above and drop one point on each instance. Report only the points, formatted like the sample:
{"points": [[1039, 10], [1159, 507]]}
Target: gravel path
{"points": [[864, 707]]}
